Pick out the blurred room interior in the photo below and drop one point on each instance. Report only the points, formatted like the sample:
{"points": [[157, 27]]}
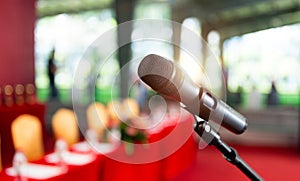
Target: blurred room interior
{"points": [[255, 44]]}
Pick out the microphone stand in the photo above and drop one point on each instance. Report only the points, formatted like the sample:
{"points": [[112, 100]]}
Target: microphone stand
{"points": [[212, 137]]}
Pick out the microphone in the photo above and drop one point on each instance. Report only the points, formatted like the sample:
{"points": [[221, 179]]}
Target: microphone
{"points": [[168, 79]]}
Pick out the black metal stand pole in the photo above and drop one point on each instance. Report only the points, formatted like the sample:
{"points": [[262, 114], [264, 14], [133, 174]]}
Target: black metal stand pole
{"points": [[212, 137]]}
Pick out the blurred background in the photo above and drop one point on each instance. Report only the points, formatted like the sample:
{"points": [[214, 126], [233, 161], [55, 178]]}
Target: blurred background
{"points": [[256, 45], [258, 41]]}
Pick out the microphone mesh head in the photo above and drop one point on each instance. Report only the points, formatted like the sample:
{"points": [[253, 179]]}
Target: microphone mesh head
{"points": [[155, 71]]}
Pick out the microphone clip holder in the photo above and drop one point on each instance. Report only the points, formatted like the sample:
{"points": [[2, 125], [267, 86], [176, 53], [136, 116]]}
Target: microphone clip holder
{"points": [[212, 137]]}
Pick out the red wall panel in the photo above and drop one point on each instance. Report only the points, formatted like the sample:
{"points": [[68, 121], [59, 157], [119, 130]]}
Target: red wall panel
{"points": [[17, 21]]}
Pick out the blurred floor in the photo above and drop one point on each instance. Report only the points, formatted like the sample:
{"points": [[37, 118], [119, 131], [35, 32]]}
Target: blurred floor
{"points": [[270, 163]]}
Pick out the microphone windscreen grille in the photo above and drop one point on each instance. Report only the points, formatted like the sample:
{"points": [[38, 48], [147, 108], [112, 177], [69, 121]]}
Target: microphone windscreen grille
{"points": [[155, 71]]}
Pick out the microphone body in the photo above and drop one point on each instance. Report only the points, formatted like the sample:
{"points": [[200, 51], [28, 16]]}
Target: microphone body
{"points": [[169, 80]]}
